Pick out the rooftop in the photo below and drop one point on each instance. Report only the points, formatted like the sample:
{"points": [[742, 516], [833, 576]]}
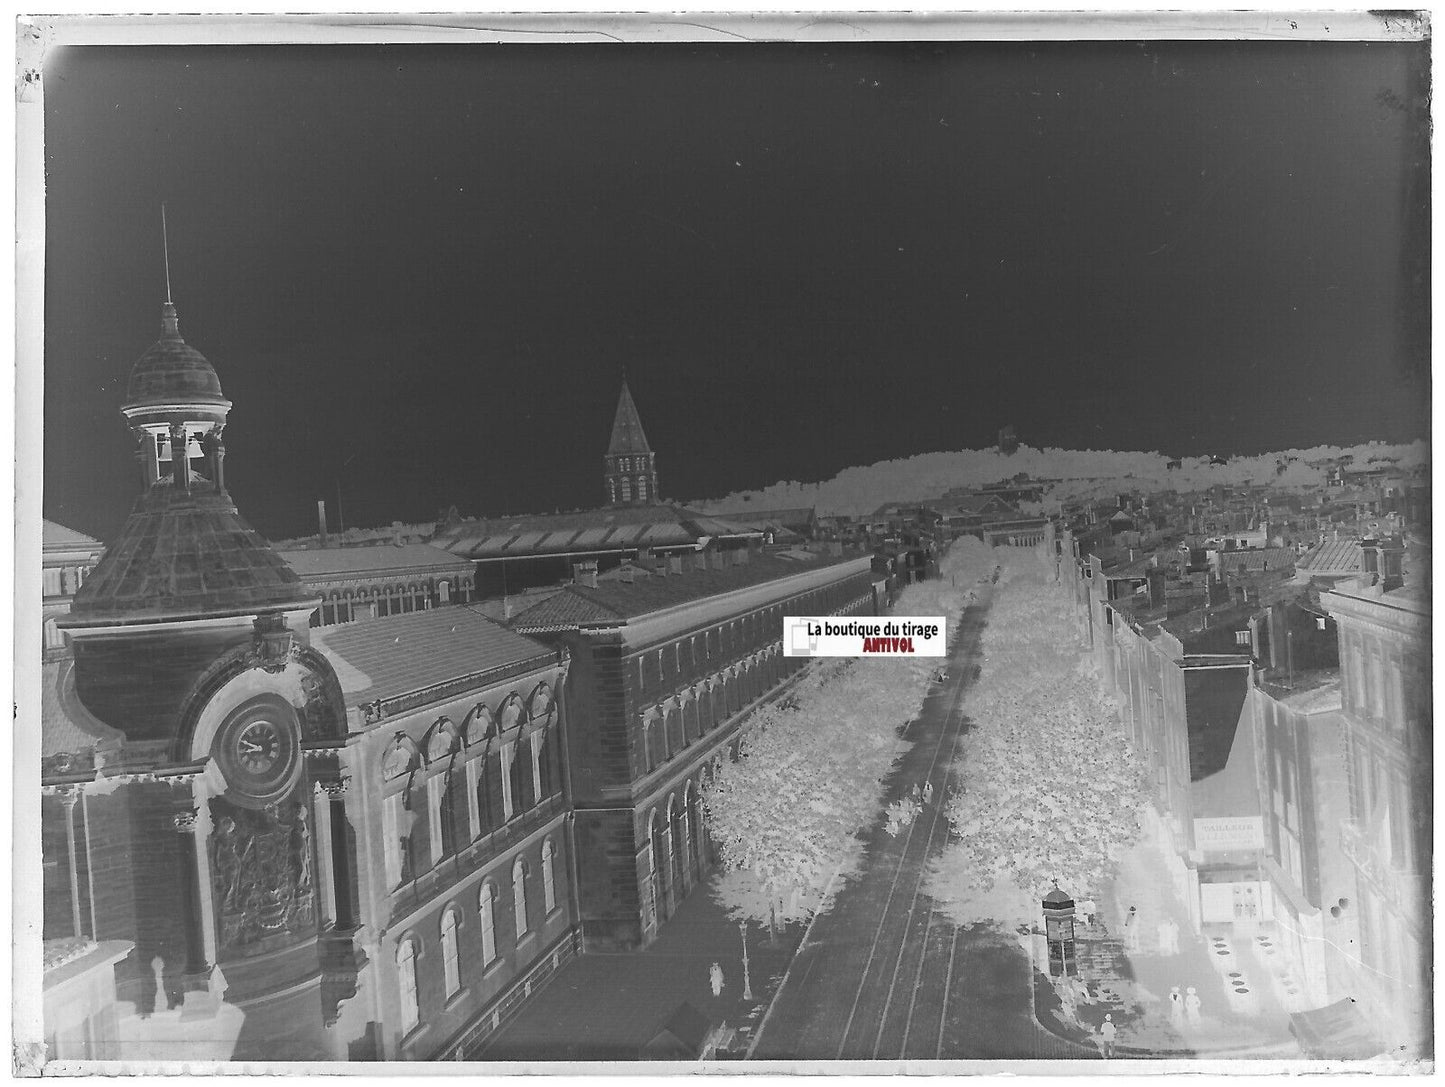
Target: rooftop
{"points": [[615, 601], [1330, 557], [1262, 559], [183, 555], [321, 563], [56, 537], [399, 654], [615, 528]]}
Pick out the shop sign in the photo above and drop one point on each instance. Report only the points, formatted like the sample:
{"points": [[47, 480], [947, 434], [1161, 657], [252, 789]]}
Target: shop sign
{"points": [[1226, 833]]}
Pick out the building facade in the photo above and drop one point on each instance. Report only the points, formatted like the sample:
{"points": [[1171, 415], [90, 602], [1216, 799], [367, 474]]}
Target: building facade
{"points": [[67, 557], [1384, 630], [663, 674], [463, 888], [390, 579]]}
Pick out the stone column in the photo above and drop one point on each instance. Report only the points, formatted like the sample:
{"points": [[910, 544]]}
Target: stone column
{"points": [[180, 457], [340, 862], [325, 872], [68, 797], [197, 822]]}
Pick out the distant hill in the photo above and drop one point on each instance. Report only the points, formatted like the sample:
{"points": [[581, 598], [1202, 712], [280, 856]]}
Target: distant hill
{"points": [[1077, 473]]}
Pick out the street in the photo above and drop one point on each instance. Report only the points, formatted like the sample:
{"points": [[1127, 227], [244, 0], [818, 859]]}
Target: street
{"points": [[881, 975]]}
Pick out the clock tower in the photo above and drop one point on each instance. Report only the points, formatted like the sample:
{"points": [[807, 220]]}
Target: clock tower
{"points": [[226, 837], [629, 468]]}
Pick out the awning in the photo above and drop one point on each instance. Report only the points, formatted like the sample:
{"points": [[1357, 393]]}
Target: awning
{"points": [[1336, 1032]]}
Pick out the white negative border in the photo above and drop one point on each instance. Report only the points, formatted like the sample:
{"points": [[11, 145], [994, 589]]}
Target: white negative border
{"points": [[76, 22]]}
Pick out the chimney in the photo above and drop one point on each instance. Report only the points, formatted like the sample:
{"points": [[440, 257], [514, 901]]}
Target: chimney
{"points": [[661, 568], [674, 563], [626, 574], [1384, 558], [321, 518], [585, 573]]}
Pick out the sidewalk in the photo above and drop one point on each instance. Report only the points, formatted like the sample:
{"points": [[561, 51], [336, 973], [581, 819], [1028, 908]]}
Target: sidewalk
{"points": [[1129, 974], [609, 1005]]}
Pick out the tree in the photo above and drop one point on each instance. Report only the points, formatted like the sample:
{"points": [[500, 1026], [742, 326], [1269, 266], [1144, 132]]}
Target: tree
{"points": [[785, 816], [1049, 787]]}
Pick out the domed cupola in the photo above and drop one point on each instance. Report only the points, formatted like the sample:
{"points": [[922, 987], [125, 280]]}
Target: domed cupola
{"points": [[185, 552], [173, 372], [173, 389]]}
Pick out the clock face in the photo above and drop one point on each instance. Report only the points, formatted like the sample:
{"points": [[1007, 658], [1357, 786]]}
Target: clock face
{"points": [[258, 747], [257, 750]]}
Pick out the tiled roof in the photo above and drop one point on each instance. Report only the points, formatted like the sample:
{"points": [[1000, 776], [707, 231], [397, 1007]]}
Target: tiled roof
{"points": [[1139, 567], [611, 529], [383, 658], [618, 600], [1331, 557], [322, 563], [185, 555], [570, 608], [501, 609], [1266, 558], [59, 538]]}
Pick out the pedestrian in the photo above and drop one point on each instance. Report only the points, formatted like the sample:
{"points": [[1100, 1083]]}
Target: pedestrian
{"points": [[1176, 1008], [1107, 1032], [914, 793], [928, 792], [715, 976], [1131, 931], [1191, 1007], [1089, 910]]}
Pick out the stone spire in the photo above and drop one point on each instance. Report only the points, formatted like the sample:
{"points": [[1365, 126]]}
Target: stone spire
{"points": [[629, 468]]}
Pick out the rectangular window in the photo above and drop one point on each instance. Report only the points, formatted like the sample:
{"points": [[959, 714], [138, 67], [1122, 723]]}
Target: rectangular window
{"points": [[391, 839], [435, 788], [537, 738], [508, 753], [474, 807], [52, 581], [489, 925], [1241, 637]]}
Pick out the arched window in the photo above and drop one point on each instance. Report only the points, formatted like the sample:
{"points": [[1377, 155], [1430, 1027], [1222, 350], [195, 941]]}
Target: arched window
{"points": [[406, 979], [626, 491], [522, 782], [642, 488], [519, 896], [549, 878], [451, 966], [488, 909]]}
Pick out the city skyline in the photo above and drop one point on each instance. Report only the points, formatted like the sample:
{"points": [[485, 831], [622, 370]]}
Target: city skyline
{"points": [[415, 268]]}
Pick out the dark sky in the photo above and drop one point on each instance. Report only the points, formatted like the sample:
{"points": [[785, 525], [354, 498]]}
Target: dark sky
{"points": [[420, 271]]}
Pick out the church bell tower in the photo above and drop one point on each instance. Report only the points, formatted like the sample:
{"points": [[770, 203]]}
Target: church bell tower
{"points": [[629, 468]]}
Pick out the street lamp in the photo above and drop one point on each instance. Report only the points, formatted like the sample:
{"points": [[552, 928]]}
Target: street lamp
{"points": [[1059, 931], [747, 978]]}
